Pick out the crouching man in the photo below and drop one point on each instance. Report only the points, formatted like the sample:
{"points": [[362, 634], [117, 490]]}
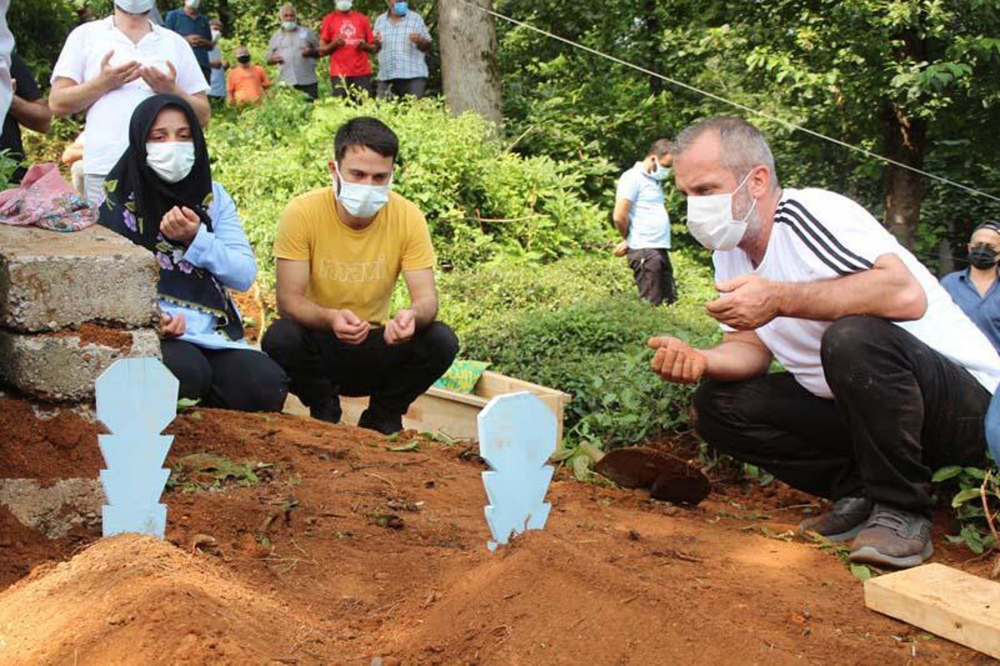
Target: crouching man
{"points": [[340, 251], [887, 380]]}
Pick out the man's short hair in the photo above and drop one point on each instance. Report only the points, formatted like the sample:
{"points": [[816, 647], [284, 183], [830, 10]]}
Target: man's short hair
{"points": [[366, 132], [660, 148], [742, 145], [285, 7]]}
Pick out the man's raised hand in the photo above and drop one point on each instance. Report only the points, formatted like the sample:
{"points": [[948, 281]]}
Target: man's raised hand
{"points": [[747, 303], [116, 77], [349, 328], [161, 83], [677, 361], [401, 328]]}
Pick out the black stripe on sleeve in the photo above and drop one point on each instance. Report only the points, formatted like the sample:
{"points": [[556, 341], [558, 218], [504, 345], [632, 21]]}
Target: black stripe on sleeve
{"points": [[793, 225], [864, 262], [801, 223]]}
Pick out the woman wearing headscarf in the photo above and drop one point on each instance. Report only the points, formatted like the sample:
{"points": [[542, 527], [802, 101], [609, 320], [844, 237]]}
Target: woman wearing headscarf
{"points": [[161, 196]]}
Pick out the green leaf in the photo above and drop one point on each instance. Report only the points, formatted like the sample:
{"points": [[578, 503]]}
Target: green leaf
{"points": [[964, 496], [412, 446], [975, 473], [861, 572], [186, 403], [946, 473]]}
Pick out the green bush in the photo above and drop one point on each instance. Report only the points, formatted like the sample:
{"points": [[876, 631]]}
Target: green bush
{"points": [[577, 325]]}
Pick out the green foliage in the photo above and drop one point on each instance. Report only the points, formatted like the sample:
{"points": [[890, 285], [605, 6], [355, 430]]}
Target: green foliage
{"points": [[209, 472], [966, 486], [577, 325], [40, 27]]}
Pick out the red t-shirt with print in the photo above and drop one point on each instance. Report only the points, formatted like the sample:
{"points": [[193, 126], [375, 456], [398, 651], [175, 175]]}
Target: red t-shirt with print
{"points": [[355, 28]]}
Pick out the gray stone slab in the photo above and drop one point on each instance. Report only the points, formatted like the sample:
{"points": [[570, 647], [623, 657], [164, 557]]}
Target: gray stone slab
{"points": [[51, 280], [64, 366]]}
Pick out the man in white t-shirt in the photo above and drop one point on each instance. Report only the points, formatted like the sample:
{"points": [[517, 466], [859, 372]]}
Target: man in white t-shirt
{"points": [[641, 218], [887, 380], [107, 68]]}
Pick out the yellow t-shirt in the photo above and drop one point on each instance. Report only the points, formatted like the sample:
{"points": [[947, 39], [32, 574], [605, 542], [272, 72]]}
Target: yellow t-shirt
{"points": [[349, 268]]}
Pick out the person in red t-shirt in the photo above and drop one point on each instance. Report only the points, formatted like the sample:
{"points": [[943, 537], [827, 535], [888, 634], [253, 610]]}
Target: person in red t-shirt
{"points": [[346, 36]]}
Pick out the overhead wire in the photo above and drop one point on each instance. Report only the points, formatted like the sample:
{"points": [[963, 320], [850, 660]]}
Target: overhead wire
{"points": [[735, 104]]}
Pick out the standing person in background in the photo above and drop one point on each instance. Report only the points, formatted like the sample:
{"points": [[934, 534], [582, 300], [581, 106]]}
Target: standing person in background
{"points": [[295, 50], [403, 41], [217, 81], [27, 108], [641, 218], [247, 82], [107, 68], [194, 28], [975, 288], [346, 36]]}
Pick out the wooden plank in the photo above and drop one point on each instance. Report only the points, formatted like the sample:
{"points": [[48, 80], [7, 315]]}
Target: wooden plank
{"points": [[944, 601]]}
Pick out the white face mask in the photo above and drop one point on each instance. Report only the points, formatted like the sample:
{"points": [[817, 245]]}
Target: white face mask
{"points": [[216, 36], [661, 173], [193, 4], [362, 201], [171, 161], [134, 6], [289, 25], [710, 220], [344, 5]]}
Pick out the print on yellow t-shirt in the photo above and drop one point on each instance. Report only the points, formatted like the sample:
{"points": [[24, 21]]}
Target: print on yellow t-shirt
{"points": [[349, 268]]}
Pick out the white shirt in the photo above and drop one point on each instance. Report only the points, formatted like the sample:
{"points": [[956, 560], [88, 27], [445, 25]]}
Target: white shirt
{"points": [[6, 47], [819, 235], [108, 118], [648, 221]]}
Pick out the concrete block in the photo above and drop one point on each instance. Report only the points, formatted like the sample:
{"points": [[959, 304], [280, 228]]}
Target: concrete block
{"points": [[63, 366], [51, 280]]}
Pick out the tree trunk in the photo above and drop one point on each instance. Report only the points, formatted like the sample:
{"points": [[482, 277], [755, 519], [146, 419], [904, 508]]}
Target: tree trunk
{"points": [[905, 140], [470, 75]]}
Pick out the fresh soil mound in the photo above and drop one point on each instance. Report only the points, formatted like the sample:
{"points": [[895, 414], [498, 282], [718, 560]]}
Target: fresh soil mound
{"points": [[134, 599], [329, 545]]}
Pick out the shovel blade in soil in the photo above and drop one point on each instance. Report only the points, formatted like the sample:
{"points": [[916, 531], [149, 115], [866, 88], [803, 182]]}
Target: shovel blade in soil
{"points": [[667, 477]]}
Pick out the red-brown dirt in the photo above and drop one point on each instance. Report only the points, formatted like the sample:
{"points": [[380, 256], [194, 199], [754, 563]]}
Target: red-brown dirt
{"points": [[352, 551], [91, 333]]}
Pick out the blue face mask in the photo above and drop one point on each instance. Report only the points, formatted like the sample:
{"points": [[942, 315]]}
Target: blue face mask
{"points": [[400, 8], [661, 173]]}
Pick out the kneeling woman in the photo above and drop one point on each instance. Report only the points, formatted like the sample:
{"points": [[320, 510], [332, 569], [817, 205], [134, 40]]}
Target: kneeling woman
{"points": [[161, 196]]}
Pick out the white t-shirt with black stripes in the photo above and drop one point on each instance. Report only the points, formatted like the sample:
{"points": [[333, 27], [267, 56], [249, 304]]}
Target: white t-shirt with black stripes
{"points": [[819, 235]]}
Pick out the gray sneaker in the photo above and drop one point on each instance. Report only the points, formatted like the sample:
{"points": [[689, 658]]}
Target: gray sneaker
{"points": [[893, 538], [842, 522]]}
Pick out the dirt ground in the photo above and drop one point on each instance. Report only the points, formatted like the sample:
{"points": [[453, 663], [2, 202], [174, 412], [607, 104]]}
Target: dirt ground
{"points": [[345, 551]]}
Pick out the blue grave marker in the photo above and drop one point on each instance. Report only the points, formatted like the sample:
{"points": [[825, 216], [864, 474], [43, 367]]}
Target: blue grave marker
{"points": [[517, 434], [136, 400]]}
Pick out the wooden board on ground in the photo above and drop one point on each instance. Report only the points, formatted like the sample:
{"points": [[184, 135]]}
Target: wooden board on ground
{"points": [[944, 601], [453, 413]]}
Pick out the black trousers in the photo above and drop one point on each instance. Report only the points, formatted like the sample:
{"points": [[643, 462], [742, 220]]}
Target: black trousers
{"points": [[310, 89], [339, 87], [402, 87], [900, 412], [241, 379], [321, 366], [654, 275]]}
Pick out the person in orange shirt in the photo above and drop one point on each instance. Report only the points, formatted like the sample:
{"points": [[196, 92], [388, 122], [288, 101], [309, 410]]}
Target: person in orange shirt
{"points": [[246, 82]]}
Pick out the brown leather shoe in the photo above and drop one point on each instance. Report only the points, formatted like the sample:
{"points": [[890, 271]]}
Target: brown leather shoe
{"points": [[847, 517], [893, 538]]}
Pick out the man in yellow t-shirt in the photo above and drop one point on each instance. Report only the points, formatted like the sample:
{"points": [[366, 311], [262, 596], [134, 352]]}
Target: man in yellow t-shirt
{"points": [[340, 251]]}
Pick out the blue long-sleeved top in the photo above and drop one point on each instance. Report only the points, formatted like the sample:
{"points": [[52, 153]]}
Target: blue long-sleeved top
{"points": [[226, 253]]}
